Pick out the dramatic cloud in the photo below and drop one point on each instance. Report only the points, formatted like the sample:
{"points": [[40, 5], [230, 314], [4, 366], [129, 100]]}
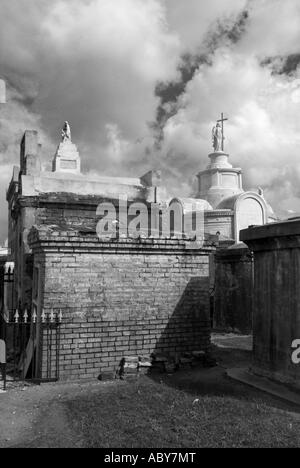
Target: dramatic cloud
{"points": [[142, 82], [273, 28], [194, 20], [260, 97], [95, 63], [263, 133]]}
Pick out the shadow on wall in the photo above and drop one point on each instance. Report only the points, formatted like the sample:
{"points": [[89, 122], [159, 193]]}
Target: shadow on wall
{"points": [[233, 291], [187, 330]]}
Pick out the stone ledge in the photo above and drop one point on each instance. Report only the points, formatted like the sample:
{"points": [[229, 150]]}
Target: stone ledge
{"points": [[49, 238], [67, 199], [273, 230], [265, 385]]}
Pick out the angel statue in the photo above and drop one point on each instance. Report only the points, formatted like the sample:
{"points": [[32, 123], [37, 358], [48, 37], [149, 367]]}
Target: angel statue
{"points": [[217, 137], [66, 132]]}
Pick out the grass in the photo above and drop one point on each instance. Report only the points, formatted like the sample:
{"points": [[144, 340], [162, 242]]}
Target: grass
{"points": [[153, 414], [191, 409]]}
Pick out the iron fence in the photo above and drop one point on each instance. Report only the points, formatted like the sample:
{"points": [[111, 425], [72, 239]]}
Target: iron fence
{"points": [[31, 346]]}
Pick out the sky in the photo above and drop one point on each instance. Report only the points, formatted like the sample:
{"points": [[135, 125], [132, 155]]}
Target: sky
{"points": [[142, 83]]}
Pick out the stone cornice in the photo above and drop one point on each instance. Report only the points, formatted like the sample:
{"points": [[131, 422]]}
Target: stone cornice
{"points": [[218, 213], [65, 200], [283, 235], [42, 240], [235, 170]]}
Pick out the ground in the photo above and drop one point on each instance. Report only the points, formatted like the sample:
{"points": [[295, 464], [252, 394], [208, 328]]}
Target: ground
{"points": [[189, 409]]}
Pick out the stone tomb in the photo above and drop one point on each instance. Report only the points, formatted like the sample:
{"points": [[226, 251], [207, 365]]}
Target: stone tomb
{"points": [[123, 297], [276, 310]]}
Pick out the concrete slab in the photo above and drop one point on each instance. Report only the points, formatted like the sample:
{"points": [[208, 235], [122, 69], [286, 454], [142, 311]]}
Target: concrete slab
{"points": [[265, 385]]}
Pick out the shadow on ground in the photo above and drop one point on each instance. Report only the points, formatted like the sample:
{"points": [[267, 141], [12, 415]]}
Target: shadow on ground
{"points": [[233, 351], [199, 407]]}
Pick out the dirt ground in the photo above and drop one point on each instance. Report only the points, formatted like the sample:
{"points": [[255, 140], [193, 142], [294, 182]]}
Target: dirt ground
{"points": [[37, 416]]}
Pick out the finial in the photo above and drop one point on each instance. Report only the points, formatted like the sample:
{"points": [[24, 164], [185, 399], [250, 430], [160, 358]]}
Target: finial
{"points": [[34, 316], [43, 316], [25, 316], [17, 316]]}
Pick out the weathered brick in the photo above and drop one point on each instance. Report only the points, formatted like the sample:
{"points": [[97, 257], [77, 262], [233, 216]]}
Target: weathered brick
{"points": [[121, 298]]}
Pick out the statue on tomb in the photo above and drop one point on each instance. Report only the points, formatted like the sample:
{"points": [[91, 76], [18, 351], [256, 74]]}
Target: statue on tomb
{"points": [[217, 137], [66, 132], [260, 191]]}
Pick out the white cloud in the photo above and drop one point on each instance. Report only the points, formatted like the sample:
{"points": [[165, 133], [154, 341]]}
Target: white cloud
{"points": [[263, 132], [91, 62], [96, 63], [273, 28]]}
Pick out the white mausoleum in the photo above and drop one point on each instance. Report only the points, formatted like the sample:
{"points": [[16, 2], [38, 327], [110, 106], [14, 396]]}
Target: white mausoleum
{"points": [[228, 208]]}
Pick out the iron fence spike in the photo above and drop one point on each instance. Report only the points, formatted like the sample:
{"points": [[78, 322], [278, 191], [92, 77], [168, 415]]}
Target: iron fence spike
{"points": [[34, 316], [17, 316], [25, 317], [43, 316], [51, 316]]}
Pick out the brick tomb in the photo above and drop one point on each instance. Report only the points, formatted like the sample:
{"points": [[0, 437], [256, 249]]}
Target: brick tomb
{"points": [[123, 298]]}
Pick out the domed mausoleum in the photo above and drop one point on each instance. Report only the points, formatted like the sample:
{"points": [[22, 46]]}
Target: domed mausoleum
{"points": [[229, 208]]}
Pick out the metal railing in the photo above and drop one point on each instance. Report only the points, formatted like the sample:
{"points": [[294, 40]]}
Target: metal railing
{"points": [[31, 346]]}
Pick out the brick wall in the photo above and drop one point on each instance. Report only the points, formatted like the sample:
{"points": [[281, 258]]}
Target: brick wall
{"points": [[46, 209], [122, 298]]}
